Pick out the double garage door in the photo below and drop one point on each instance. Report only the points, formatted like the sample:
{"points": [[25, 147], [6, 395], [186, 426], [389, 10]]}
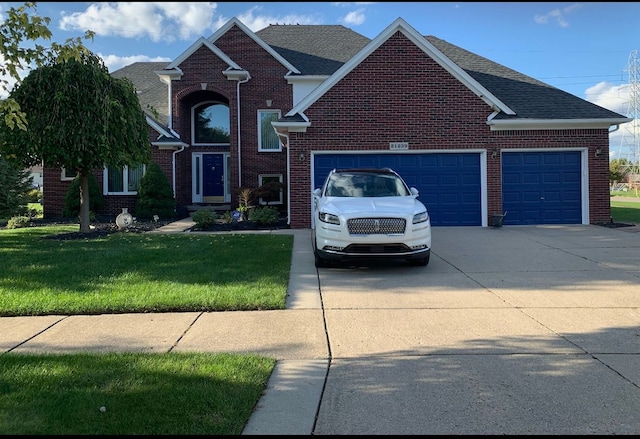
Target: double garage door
{"points": [[538, 188]]}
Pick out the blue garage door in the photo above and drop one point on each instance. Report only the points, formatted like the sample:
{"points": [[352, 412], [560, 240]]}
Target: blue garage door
{"points": [[449, 183], [541, 187]]}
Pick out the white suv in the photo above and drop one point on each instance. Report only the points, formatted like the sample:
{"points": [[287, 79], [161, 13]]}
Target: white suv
{"points": [[367, 214]]}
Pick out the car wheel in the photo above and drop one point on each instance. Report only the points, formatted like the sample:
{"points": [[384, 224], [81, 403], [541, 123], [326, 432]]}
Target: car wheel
{"points": [[421, 262]]}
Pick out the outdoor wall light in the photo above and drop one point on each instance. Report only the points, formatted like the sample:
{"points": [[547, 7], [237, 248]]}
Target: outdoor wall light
{"points": [[301, 156], [269, 102], [494, 153], [598, 152]]}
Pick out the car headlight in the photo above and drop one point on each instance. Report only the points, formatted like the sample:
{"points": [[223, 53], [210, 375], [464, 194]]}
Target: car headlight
{"points": [[328, 218], [420, 217]]}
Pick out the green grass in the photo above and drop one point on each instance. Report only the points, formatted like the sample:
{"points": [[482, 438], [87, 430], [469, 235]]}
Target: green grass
{"points": [[142, 394], [625, 211], [165, 393], [140, 272]]}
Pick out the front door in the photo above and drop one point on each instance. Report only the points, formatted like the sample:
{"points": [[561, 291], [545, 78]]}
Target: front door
{"points": [[213, 178]]}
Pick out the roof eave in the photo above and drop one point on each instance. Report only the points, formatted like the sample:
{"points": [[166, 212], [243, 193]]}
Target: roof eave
{"points": [[291, 127], [554, 124]]}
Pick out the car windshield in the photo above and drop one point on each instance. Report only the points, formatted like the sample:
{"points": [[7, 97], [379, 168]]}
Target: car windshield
{"points": [[345, 184]]}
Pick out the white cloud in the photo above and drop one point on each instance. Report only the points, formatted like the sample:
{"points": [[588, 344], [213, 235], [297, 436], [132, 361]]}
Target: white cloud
{"points": [[156, 20], [114, 62], [354, 18], [612, 97], [557, 15]]}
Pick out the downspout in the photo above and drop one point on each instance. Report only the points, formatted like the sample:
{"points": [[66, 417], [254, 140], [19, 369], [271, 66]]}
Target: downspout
{"points": [[240, 81], [286, 136]]}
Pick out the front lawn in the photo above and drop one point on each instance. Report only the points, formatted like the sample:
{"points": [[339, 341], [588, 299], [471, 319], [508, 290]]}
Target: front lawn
{"points": [[140, 272], [135, 393]]}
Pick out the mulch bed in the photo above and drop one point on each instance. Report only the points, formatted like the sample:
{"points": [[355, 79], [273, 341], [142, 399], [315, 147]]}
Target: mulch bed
{"points": [[104, 226]]}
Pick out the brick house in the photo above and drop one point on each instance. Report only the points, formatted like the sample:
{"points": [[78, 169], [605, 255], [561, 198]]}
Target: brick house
{"points": [[290, 102]]}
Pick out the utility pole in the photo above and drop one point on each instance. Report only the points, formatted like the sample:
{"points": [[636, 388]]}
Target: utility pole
{"points": [[630, 147]]}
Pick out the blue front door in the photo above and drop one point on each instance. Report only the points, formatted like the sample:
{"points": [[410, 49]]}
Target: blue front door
{"points": [[213, 178]]}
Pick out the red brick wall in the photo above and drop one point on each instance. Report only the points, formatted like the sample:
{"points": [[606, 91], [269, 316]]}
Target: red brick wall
{"points": [[267, 82], [398, 94]]}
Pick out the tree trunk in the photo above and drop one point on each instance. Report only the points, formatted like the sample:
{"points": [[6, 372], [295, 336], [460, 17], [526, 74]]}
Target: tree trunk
{"points": [[84, 203]]}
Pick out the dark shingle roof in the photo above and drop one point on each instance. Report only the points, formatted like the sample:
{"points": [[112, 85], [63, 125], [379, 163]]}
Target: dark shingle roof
{"points": [[528, 97], [151, 90], [322, 49], [314, 49]]}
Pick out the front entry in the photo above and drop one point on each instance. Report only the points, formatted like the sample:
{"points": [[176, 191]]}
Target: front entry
{"points": [[209, 178]]}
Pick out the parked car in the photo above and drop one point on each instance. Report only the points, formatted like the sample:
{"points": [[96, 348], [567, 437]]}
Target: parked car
{"points": [[369, 214]]}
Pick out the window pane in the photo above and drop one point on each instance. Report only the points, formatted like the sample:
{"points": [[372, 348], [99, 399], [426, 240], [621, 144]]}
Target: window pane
{"points": [[135, 174], [115, 180], [268, 138], [212, 123]]}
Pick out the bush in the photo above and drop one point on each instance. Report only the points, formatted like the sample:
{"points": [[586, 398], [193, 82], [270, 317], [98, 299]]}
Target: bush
{"points": [[14, 185], [264, 215], [204, 217], [34, 196], [155, 196], [17, 222], [72, 198]]}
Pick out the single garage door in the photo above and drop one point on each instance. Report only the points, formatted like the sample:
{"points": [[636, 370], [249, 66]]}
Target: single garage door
{"points": [[449, 183], [541, 187]]}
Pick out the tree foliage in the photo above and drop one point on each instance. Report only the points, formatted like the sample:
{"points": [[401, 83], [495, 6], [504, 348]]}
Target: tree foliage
{"points": [[15, 183], [618, 169], [155, 196], [22, 25], [80, 118]]}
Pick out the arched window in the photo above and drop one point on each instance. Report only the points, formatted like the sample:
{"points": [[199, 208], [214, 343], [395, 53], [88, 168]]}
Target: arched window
{"points": [[211, 123]]}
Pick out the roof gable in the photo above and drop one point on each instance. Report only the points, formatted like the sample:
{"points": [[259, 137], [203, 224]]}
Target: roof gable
{"points": [[235, 22], [202, 41], [399, 25]]}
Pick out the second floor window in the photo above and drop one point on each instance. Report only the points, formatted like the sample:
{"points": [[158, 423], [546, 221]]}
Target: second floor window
{"points": [[211, 123]]}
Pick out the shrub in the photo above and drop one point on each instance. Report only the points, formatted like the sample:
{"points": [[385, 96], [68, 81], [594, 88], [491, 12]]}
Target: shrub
{"points": [[155, 195], [72, 198], [204, 217], [17, 222], [34, 196], [14, 185], [264, 215]]}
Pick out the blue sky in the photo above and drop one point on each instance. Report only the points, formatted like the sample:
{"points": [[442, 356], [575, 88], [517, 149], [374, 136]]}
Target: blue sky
{"points": [[585, 48]]}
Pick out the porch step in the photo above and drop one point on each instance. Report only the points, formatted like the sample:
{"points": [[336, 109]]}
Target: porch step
{"points": [[217, 207]]}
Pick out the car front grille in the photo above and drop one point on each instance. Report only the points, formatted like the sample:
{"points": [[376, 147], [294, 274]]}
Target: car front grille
{"points": [[376, 226]]}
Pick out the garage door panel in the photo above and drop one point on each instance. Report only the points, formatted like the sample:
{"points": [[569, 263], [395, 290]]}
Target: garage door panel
{"points": [[449, 183], [542, 187]]}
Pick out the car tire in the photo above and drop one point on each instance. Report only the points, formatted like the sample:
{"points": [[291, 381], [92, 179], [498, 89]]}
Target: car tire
{"points": [[320, 262], [420, 262]]}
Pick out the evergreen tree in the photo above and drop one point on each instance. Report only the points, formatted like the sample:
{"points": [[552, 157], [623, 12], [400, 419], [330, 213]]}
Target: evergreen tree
{"points": [[14, 186], [155, 196]]}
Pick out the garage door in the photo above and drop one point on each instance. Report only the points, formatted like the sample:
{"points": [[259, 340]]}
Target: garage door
{"points": [[541, 187], [449, 183]]}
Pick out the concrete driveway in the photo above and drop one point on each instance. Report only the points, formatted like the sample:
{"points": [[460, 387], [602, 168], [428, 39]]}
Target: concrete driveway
{"points": [[512, 330]]}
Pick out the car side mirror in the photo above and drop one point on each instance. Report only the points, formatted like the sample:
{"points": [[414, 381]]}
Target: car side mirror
{"points": [[414, 191], [317, 192]]}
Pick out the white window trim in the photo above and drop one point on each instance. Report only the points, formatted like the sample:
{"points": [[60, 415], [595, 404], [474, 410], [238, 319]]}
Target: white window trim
{"points": [[193, 125], [125, 174], [63, 175], [260, 183], [260, 149]]}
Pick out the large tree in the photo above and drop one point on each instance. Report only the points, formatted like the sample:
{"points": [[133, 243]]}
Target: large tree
{"points": [[79, 118], [20, 35]]}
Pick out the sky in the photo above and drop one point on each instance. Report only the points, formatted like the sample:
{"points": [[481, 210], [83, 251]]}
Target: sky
{"points": [[588, 49]]}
